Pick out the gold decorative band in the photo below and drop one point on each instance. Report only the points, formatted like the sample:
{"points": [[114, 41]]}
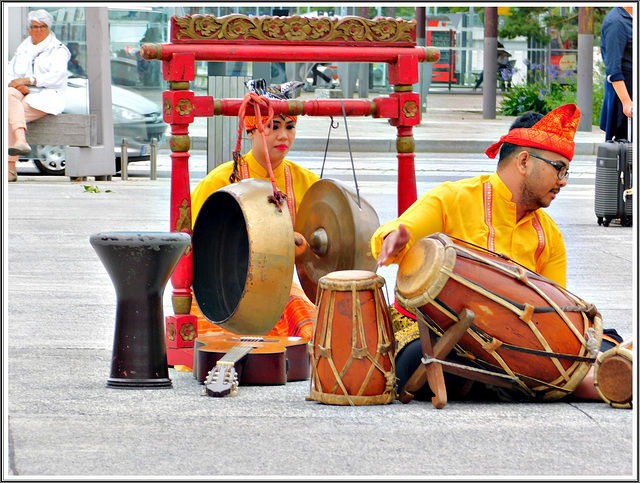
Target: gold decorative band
{"points": [[237, 27]]}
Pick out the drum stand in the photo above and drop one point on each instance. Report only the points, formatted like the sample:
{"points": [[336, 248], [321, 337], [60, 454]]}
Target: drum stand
{"points": [[431, 371]]}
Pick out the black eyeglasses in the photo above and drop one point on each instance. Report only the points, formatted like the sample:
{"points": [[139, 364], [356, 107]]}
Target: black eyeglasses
{"points": [[563, 171], [38, 27]]}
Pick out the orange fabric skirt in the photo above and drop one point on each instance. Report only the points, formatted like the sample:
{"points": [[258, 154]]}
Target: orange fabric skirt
{"points": [[296, 321]]}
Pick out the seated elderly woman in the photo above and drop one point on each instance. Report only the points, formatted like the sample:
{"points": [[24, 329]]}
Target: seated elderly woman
{"points": [[37, 77]]}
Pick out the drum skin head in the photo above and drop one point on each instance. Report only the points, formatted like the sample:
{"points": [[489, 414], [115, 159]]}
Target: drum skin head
{"points": [[614, 376], [338, 232], [420, 274]]}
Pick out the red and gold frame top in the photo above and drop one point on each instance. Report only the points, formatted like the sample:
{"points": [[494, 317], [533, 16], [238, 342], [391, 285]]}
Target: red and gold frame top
{"points": [[265, 30]]}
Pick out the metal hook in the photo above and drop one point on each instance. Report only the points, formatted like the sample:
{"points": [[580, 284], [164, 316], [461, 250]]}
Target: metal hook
{"points": [[332, 125]]}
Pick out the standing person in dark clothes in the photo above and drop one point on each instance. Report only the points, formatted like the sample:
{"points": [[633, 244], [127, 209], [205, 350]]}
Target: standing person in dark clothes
{"points": [[617, 52]]}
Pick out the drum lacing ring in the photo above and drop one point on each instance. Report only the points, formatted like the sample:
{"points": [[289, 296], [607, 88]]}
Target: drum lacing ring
{"points": [[360, 352], [384, 348], [252, 98], [324, 351]]}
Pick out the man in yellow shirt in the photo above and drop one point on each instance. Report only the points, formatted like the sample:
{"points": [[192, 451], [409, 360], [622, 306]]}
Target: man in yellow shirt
{"points": [[501, 212], [291, 179]]}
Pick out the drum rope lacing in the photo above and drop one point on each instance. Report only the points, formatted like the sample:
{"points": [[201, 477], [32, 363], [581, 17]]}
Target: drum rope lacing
{"points": [[488, 339], [490, 344], [359, 348], [326, 148], [251, 98], [491, 368], [523, 276]]}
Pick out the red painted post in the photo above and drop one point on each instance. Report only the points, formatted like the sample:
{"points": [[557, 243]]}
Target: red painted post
{"points": [[179, 112]]}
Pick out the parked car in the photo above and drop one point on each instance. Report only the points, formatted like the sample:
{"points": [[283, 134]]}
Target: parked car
{"points": [[135, 117]]}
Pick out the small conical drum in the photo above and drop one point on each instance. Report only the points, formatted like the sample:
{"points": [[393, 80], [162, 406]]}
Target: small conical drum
{"points": [[613, 376], [525, 325], [353, 346]]}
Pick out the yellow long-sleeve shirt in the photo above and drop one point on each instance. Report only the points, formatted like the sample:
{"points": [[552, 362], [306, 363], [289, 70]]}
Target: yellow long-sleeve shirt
{"points": [[301, 177], [479, 210]]}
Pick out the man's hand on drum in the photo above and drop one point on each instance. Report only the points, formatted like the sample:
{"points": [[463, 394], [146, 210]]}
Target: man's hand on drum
{"points": [[393, 243]]}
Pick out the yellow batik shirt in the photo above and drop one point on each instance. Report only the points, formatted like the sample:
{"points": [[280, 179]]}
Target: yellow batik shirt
{"points": [[301, 179], [479, 210]]}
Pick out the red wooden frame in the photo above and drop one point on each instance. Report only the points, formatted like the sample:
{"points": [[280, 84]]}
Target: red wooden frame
{"points": [[283, 39]]}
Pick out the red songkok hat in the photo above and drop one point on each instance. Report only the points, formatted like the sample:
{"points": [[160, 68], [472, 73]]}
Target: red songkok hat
{"points": [[554, 132]]}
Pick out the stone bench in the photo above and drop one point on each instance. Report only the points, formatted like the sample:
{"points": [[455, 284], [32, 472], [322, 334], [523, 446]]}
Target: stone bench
{"points": [[64, 130]]}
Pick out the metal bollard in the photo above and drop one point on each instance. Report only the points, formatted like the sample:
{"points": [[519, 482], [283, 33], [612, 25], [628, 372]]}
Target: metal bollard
{"points": [[154, 156], [124, 155]]}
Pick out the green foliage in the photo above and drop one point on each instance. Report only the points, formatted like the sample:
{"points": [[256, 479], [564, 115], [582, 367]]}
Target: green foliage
{"points": [[523, 98], [524, 21], [94, 189], [598, 97], [544, 93], [532, 22]]}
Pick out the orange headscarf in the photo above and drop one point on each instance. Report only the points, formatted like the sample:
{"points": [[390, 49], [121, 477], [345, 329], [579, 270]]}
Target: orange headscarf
{"points": [[250, 121], [554, 132]]}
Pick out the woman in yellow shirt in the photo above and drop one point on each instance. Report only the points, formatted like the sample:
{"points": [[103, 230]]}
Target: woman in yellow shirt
{"points": [[290, 178]]}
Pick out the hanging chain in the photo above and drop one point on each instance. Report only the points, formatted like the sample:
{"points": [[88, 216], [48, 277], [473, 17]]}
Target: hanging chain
{"points": [[353, 168]]}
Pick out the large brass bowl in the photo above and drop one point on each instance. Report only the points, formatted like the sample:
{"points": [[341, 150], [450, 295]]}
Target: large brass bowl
{"points": [[243, 258]]}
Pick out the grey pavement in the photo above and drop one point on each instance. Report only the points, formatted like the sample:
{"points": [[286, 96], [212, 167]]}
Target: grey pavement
{"points": [[60, 421]]}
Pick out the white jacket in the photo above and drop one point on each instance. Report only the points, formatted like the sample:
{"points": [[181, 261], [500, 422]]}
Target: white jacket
{"points": [[47, 62]]}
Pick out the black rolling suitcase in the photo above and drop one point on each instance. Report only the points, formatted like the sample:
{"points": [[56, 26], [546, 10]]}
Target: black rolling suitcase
{"points": [[614, 182]]}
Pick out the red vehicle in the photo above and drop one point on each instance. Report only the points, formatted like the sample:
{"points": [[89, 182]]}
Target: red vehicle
{"points": [[440, 35]]}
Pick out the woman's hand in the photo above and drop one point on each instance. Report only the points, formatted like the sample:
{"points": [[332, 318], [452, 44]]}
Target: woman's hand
{"points": [[23, 81], [393, 243], [625, 99]]}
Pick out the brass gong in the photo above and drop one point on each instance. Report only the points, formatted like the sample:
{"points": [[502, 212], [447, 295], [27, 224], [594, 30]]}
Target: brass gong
{"points": [[337, 232], [243, 258]]}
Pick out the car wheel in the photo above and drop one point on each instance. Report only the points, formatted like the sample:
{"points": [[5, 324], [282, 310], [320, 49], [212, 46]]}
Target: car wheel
{"points": [[51, 160]]}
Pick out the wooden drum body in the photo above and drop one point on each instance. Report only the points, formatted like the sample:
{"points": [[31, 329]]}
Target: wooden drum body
{"points": [[353, 347], [525, 325]]}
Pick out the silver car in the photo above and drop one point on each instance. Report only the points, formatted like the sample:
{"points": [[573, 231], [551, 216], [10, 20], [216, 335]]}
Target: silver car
{"points": [[135, 118]]}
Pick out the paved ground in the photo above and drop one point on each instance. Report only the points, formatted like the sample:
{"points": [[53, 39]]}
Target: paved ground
{"points": [[60, 421]]}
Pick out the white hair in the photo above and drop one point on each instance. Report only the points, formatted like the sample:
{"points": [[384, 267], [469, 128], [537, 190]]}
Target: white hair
{"points": [[41, 16]]}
